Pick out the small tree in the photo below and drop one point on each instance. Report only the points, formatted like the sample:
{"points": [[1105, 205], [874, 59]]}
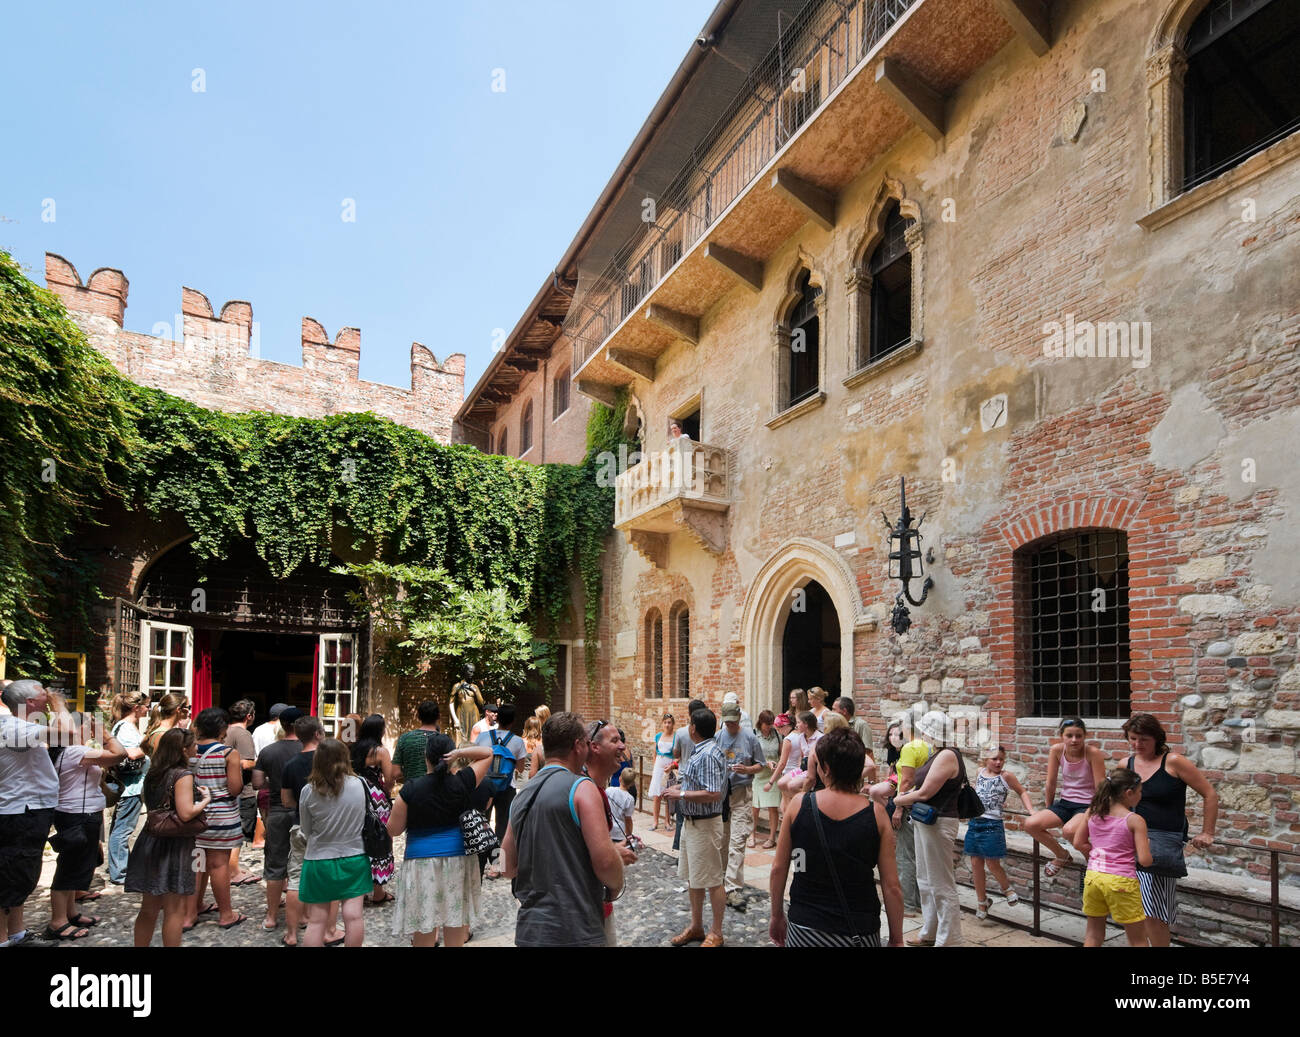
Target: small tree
{"points": [[422, 614]]}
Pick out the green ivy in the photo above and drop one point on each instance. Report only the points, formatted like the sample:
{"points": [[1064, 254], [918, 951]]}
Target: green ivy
{"points": [[291, 486]]}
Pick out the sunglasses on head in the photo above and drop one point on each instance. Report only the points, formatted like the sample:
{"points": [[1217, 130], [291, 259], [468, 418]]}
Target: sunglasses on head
{"points": [[595, 730]]}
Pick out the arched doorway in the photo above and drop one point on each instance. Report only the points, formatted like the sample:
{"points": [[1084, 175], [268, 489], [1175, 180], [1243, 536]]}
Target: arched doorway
{"points": [[810, 643], [801, 610]]}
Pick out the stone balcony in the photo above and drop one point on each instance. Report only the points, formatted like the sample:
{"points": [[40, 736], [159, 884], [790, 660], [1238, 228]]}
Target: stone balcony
{"points": [[686, 487]]}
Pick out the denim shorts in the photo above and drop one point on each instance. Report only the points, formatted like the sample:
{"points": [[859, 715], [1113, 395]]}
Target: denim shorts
{"points": [[1065, 810]]}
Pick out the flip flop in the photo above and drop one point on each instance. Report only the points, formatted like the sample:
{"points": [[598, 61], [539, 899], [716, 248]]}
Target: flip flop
{"points": [[85, 921], [90, 896], [61, 933], [238, 921], [335, 943], [284, 942], [247, 880], [211, 909]]}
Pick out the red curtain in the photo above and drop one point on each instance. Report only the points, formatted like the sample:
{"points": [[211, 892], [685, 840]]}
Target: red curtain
{"points": [[315, 676], [201, 692]]}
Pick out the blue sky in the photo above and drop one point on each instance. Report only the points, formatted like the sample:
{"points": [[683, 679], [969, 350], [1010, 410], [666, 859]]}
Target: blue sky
{"points": [[465, 198]]}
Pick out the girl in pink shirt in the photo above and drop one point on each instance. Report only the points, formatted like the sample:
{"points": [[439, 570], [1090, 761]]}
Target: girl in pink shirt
{"points": [[1114, 839]]}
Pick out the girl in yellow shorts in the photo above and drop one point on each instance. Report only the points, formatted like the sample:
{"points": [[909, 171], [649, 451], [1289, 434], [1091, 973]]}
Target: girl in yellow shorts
{"points": [[1114, 839]]}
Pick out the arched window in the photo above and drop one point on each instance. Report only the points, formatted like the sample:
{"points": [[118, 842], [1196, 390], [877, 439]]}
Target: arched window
{"points": [[891, 288], [1075, 588], [503, 443], [1240, 92], [804, 324], [654, 655], [526, 429], [680, 627]]}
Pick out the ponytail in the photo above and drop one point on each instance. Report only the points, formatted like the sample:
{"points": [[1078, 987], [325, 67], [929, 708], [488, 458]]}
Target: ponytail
{"points": [[1114, 785]]}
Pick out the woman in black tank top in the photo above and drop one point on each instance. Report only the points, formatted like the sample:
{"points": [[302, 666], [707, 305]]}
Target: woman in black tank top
{"points": [[1166, 777], [841, 839]]}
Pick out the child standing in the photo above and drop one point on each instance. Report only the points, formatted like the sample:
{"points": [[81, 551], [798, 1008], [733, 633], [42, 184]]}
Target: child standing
{"points": [[1080, 768], [986, 837], [1114, 839]]}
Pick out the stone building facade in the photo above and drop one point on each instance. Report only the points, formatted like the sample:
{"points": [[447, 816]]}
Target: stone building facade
{"points": [[986, 259]]}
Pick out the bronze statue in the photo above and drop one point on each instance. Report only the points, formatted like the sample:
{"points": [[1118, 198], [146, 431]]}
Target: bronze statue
{"points": [[466, 705]]}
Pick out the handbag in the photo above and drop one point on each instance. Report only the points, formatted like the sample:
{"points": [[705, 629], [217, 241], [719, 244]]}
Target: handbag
{"points": [[374, 833], [167, 824], [479, 837], [856, 939], [1166, 854], [111, 789]]}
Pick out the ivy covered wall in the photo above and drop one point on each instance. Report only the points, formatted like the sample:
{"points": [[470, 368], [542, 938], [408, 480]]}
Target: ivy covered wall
{"points": [[287, 485]]}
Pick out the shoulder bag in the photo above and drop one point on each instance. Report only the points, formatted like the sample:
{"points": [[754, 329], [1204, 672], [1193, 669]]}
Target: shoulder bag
{"points": [[856, 939], [167, 823], [969, 803]]}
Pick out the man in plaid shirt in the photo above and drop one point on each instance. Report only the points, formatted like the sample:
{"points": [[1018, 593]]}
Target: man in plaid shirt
{"points": [[703, 792]]}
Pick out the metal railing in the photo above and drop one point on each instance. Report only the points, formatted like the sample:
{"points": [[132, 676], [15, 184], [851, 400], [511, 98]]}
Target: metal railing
{"points": [[824, 43]]}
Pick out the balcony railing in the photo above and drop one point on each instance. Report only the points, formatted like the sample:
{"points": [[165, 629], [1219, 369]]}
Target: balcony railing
{"points": [[690, 471], [826, 41]]}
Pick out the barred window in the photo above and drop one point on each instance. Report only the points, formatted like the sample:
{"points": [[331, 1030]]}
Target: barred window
{"points": [[681, 631], [654, 655], [1079, 625]]}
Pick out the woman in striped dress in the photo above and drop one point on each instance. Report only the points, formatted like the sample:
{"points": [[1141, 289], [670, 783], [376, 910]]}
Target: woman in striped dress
{"points": [[216, 767]]}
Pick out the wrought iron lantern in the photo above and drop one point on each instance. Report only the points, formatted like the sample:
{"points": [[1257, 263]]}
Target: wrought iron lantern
{"points": [[905, 562]]}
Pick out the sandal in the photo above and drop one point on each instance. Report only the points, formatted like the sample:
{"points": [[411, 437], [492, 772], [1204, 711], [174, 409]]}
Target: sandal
{"points": [[769, 844], [1054, 867], [85, 921], [1013, 898], [247, 879], [61, 933], [387, 897], [211, 909], [753, 842], [335, 942], [981, 910], [272, 927], [83, 897], [284, 942], [238, 921]]}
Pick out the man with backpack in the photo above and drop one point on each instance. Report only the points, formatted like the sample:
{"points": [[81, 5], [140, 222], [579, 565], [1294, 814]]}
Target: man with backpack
{"points": [[508, 753]]}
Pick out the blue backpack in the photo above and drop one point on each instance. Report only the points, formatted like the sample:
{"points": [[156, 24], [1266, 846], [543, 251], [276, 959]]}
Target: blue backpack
{"points": [[503, 764]]}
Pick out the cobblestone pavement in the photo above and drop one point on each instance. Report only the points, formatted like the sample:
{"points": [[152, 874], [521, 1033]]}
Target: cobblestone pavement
{"points": [[653, 908]]}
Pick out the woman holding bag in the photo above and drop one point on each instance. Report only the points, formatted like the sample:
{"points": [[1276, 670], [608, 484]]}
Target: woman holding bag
{"points": [[933, 800], [1165, 778], [161, 862]]}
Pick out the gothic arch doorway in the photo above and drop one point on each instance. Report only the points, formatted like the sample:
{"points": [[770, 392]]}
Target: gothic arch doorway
{"points": [[799, 618]]}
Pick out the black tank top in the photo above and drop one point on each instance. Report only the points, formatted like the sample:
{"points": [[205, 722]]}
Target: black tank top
{"points": [[1163, 805], [854, 843]]}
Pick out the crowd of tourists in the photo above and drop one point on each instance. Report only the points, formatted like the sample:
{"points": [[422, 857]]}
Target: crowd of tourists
{"points": [[852, 837]]}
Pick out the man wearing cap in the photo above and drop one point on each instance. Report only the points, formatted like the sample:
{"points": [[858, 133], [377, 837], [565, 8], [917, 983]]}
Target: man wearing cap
{"points": [[488, 723], [265, 734], [745, 758], [731, 697], [268, 773], [704, 854]]}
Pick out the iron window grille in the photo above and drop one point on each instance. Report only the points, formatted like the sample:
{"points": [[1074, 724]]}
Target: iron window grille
{"points": [[682, 652], [1079, 625], [654, 661]]}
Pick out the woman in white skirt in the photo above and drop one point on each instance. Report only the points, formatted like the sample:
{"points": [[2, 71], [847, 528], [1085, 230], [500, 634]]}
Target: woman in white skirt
{"points": [[663, 762], [438, 885]]}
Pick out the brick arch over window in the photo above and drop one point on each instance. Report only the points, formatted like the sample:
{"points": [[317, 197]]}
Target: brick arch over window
{"points": [[1154, 621], [858, 280]]}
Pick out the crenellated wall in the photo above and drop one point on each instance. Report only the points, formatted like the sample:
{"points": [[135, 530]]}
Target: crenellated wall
{"points": [[213, 360]]}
